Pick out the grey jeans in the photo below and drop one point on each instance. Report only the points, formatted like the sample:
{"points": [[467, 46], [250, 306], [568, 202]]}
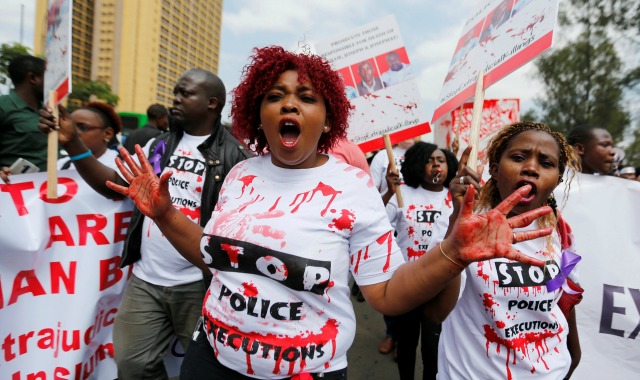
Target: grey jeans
{"points": [[147, 319]]}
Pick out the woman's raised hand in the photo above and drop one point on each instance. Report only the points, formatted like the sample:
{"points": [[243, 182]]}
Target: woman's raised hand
{"points": [[64, 125], [465, 177], [477, 237], [149, 193]]}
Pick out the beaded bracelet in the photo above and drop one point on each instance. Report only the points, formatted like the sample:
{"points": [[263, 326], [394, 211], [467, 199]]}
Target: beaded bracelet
{"points": [[81, 156], [449, 258]]}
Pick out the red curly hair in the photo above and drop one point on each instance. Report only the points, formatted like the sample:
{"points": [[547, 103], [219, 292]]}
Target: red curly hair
{"points": [[107, 114], [266, 66]]}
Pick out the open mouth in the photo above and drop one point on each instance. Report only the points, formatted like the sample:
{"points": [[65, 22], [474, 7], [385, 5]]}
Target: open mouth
{"points": [[289, 133], [529, 197]]}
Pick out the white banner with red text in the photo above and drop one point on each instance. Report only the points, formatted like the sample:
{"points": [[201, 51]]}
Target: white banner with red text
{"points": [[604, 214]]}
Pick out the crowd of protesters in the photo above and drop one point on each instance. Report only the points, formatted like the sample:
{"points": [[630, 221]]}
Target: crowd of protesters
{"points": [[418, 264]]}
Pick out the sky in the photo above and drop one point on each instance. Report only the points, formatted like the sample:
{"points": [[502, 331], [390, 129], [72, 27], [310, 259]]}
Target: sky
{"points": [[430, 30]]}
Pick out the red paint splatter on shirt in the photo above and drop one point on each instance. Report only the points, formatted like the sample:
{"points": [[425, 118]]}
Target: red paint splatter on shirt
{"points": [[344, 222], [267, 231], [250, 289], [381, 240], [328, 333], [520, 344], [232, 252], [325, 190], [246, 181], [489, 302], [413, 254]]}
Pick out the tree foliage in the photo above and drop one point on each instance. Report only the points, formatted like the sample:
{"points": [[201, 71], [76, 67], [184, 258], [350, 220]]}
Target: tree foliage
{"points": [[86, 91], [7, 53], [583, 86], [585, 80]]}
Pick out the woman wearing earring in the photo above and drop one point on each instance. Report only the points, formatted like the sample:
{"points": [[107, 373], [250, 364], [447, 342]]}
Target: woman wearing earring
{"points": [[511, 320], [97, 125], [289, 227]]}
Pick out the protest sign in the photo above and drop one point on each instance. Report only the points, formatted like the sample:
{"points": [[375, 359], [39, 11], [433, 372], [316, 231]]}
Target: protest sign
{"points": [[57, 77], [456, 124], [499, 37], [379, 82]]}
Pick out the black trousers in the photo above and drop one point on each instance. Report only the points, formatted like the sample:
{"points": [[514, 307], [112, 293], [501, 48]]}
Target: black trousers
{"points": [[200, 363], [408, 329]]}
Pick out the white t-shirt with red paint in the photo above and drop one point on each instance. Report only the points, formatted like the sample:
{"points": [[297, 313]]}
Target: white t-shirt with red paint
{"points": [[160, 263], [379, 166], [281, 244], [506, 325], [415, 221]]}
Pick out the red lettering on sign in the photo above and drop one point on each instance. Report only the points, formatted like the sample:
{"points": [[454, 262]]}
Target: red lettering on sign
{"points": [[15, 191], [91, 224], [70, 190], [56, 223]]}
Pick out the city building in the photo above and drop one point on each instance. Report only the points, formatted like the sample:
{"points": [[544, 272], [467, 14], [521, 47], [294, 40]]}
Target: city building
{"points": [[139, 47]]}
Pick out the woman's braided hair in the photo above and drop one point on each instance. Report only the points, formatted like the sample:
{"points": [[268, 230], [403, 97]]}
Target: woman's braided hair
{"points": [[490, 196]]}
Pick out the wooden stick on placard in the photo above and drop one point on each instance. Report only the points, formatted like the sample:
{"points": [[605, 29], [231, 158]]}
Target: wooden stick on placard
{"points": [[52, 151], [392, 162], [476, 119], [455, 145]]}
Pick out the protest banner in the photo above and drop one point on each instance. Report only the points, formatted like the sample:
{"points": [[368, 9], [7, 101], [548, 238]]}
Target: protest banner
{"points": [[379, 82], [603, 214], [60, 280], [456, 124], [499, 37]]}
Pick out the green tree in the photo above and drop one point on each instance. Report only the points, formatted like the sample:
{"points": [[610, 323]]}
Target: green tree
{"points": [[7, 53], [84, 92], [582, 84], [585, 81]]}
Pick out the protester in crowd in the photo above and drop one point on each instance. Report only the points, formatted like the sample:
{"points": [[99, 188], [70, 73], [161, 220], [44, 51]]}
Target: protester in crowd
{"points": [[380, 163], [349, 152], [426, 198], [19, 134], [379, 170], [158, 122], [289, 226], [97, 124], [512, 320], [594, 145], [370, 82], [164, 296], [398, 70], [628, 172]]}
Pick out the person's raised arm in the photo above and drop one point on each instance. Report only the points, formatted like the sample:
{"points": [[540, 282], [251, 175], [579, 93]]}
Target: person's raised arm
{"points": [[90, 169], [151, 195], [393, 181], [473, 238]]}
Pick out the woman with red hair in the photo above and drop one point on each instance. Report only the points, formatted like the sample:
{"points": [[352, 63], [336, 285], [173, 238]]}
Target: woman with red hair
{"points": [[289, 227]]}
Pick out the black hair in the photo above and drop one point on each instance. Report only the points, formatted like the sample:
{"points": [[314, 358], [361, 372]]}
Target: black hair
{"points": [[582, 134], [212, 85], [20, 67], [417, 157], [156, 111]]}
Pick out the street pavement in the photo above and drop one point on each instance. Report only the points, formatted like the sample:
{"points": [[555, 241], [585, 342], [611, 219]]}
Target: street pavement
{"points": [[365, 362]]}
